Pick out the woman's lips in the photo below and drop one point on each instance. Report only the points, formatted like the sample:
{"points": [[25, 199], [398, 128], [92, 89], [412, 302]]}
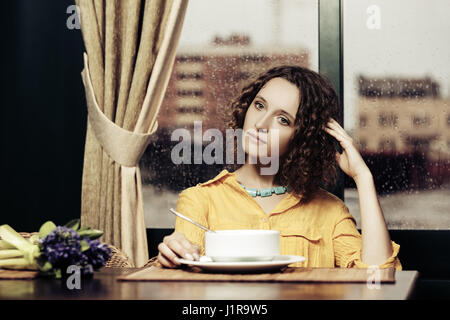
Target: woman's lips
{"points": [[256, 138]]}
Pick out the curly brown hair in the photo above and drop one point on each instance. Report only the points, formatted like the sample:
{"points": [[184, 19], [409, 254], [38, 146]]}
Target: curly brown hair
{"points": [[309, 162]]}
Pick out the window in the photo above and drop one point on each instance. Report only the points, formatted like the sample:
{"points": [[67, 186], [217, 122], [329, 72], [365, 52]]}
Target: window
{"points": [[397, 87], [386, 146], [420, 121], [396, 68], [253, 58], [362, 145], [194, 93], [191, 109], [187, 76], [387, 119], [188, 58], [217, 54], [363, 121], [243, 75], [406, 149]]}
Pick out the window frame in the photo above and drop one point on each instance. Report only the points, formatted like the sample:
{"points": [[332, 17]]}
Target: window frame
{"points": [[331, 62]]}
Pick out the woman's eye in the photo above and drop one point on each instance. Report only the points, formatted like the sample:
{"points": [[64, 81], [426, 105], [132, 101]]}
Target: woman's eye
{"points": [[258, 105], [284, 121]]}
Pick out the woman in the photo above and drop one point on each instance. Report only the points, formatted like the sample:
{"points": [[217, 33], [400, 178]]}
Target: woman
{"points": [[299, 105]]}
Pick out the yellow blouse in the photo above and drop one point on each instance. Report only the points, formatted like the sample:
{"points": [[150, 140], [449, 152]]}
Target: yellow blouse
{"points": [[323, 230]]}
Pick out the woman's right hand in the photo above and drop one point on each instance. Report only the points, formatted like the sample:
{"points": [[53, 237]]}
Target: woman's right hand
{"points": [[174, 247]]}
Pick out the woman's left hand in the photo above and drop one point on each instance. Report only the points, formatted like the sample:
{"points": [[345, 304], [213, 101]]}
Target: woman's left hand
{"points": [[350, 161]]}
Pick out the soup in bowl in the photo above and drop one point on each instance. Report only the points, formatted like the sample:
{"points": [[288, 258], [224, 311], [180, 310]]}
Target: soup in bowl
{"points": [[242, 245]]}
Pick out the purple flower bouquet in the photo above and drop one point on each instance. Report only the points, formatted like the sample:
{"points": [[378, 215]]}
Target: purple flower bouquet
{"points": [[54, 249]]}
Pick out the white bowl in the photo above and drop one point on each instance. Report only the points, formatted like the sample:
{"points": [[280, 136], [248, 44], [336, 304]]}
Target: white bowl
{"points": [[242, 245]]}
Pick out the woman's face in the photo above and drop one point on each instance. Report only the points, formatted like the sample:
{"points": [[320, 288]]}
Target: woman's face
{"points": [[272, 111]]}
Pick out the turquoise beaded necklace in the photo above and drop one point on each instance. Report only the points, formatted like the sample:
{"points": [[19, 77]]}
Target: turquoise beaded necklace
{"points": [[266, 192]]}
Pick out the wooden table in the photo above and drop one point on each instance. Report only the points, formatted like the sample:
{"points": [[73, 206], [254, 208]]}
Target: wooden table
{"points": [[105, 286]]}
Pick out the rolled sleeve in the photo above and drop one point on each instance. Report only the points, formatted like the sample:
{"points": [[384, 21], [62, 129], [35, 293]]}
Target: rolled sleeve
{"points": [[347, 243], [192, 204]]}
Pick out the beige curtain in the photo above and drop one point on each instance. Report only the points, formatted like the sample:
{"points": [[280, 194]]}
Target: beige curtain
{"points": [[130, 48]]}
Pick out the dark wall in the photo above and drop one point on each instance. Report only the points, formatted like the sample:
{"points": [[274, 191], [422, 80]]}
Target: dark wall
{"points": [[43, 114]]}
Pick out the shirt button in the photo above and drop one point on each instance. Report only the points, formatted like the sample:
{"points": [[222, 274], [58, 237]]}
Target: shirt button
{"points": [[265, 220]]}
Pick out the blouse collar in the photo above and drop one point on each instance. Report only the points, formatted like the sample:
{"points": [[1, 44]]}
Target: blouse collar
{"points": [[230, 179]]}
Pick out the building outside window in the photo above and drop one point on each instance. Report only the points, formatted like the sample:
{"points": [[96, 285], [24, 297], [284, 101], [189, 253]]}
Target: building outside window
{"points": [[397, 74]]}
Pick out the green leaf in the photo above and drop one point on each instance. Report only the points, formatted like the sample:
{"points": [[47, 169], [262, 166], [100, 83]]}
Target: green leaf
{"points": [[11, 237], [84, 246], [46, 267], [6, 245], [11, 253], [73, 224], [46, 228], [84, 229], [34, 239], [91, 234], [17, 263]]}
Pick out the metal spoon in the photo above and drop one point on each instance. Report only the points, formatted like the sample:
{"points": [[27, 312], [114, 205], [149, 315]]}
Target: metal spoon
{"points": [[189, 220]]}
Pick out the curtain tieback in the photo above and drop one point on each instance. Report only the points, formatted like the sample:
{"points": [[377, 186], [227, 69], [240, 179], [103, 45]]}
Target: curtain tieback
{"points": [[122, 146]]}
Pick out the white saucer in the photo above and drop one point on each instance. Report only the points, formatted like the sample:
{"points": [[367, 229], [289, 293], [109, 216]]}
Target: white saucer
{"points": [[245, 266]]}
